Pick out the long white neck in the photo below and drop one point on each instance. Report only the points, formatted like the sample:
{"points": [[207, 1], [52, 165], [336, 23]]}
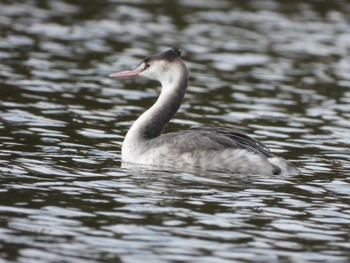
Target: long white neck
{"points": [[152, 122]]}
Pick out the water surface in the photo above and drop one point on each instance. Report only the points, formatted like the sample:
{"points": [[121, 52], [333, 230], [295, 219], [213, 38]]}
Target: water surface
{"points": [[278, 70]]}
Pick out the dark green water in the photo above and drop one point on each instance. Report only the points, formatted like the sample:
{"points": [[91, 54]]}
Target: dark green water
{"points": [[278, 70]]}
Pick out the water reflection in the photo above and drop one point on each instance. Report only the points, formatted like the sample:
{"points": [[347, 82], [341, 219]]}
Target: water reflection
{"points": [[275, 69]]}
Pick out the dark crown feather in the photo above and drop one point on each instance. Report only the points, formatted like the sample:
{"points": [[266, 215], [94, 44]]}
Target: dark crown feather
{"points": [[169, 55]]}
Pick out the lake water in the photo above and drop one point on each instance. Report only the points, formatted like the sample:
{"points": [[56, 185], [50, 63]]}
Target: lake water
{"points": [[277, 70]]}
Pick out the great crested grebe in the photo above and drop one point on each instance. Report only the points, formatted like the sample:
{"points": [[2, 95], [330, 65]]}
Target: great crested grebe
{"points": [[210, 148]]}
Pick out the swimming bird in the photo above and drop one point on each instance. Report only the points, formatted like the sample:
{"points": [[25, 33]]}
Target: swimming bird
{"points": [[207, 148]]}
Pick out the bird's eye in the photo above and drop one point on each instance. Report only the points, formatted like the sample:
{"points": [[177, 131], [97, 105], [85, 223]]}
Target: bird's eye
{"points": [[147, 65]]}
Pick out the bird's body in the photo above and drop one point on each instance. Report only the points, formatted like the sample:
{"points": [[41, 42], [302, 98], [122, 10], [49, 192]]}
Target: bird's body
{"points": [[219, 149]]}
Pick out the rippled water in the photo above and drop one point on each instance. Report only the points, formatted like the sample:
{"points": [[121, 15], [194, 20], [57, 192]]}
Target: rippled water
{"points": [[278, 70]]}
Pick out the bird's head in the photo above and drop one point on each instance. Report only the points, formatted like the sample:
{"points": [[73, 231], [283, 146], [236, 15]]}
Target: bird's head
{"points": [[159, 67]]}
